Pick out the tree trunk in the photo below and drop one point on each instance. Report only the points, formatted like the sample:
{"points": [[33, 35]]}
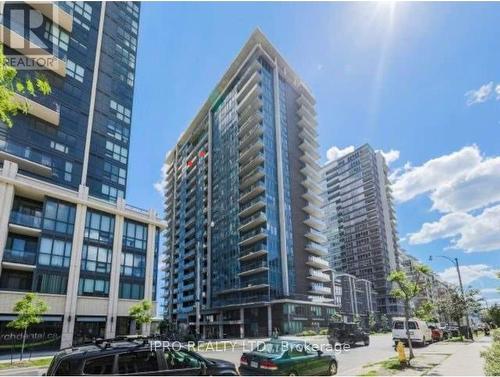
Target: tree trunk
{"points": [[408, 335], [24, 340]]}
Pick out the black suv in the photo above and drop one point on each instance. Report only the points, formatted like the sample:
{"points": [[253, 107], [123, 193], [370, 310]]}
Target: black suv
{"points": [[138, 357], [347, 333]]}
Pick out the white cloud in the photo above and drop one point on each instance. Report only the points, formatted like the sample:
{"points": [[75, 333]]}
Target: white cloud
{"points": [[497, 91], [469, 273], [486, 291], [479, 95], [467, 232], [159, 186], [334, 153], [389, 156], [413, 181]]}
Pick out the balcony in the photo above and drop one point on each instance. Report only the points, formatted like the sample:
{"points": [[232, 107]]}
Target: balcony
{"points": [[316, 236], [313, 210], [253, 221], [252, 177], [308, 160], [312, 185], [248, 138], [253, 236], [317, 262], [315, 223], [305, 113], [308, 124], [19, 256], [247, 123], [305, 101], [313, 198], [252, 93], [253, 253], [39, 110], [254, 268], [252, 206], [252, 191], [26, 220], [318, 276], [257, 160], [250, 83], [27, 159], [317, 249], [253, 108], [319, 289], [308, 148], [256, 147], [309, 172]]}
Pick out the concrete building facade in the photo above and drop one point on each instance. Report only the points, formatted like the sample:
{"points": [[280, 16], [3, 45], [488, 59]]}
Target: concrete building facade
{"points": [[245, 250], [66, 232]]}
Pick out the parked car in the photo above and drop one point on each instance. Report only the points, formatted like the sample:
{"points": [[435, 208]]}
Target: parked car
{"points": [[287, 358], [135, 357], [420, 333], [347, 333], [437, 333]]}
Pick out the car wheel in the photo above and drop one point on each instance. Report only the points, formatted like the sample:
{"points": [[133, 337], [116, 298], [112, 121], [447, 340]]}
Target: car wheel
{"points": [[292, 373], [332, 369], [367, 342]]}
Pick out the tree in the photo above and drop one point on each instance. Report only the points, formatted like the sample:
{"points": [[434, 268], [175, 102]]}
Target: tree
{"points": [[372, 322], [425, 311], [492, 315], [384, 322], [11, 84], [406, 289], [336, 317], [142, 312], [29, 310]]}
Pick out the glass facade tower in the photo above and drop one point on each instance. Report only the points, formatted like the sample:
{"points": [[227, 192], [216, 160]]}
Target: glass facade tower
{"points": [[66, 232], [262, 248]]}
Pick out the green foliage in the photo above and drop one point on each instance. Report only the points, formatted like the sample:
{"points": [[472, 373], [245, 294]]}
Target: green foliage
{"points": [[307, 333], [384, 322], [492, 356], [455, 306], [29, 310], [11, 84], [40, 363], [425, 311], [142, 312], [492, 315], [323, 332], [336, 317]]}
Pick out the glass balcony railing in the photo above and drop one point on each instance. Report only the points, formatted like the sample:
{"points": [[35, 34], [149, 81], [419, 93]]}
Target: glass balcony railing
{"points": [[24, 219], [19, 256]]}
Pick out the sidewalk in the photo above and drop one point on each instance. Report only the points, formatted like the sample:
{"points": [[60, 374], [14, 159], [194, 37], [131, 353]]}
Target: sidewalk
{"points": [[465, 361]]}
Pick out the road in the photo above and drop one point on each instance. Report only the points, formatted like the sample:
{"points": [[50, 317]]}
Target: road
{"points": [[380, 348]]}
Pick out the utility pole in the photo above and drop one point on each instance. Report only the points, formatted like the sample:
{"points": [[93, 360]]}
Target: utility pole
{"points": [[457, 266]]}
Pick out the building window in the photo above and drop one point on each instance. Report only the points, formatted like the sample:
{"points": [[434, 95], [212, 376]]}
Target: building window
{"points": [[56, 35], [111, 192], [96, 259], [133, 264], [68, 169], [131, 291], [114, 173], [116, 152], [74, 70], [93, 287], [16, 280], [59, 147], [80, 8], [118, 132], [99, 227], [134, 235], [54, 252], [50, 283], [122, 113], [59, 217]]}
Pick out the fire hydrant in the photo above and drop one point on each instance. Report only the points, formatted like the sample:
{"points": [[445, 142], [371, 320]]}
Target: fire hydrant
{"points": [[400, 348]]}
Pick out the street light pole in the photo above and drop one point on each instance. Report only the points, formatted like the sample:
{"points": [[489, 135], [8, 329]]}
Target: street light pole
{"points": [[457, 266]]}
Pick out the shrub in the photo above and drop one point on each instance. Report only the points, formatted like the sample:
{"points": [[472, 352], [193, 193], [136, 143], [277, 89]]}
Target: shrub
{"points": [[323, 332], [492, 356]]}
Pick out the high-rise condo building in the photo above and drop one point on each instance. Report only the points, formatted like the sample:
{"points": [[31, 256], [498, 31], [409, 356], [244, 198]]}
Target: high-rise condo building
{"points": [[66, 232], [361, 222], [245, 251]]}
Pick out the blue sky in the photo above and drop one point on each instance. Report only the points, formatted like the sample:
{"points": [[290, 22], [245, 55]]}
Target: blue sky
{"points": [[419, 79]]}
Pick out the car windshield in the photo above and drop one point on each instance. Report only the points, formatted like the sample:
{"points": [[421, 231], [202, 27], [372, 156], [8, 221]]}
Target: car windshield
{"points": [[399, 325], [273, 348]]}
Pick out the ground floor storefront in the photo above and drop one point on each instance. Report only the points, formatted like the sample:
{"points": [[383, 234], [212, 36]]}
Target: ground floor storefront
{"points": [[46, 335], [287, 317]]}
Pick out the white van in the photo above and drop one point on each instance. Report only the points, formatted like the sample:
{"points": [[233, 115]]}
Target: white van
{"points": [[420, 333]]}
